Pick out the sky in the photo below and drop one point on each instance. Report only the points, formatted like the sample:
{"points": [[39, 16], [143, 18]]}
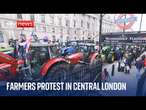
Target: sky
{"points": [[136, 25]]}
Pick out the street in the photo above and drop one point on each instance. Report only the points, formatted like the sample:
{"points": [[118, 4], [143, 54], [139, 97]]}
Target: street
{"points": [[130, 79]]}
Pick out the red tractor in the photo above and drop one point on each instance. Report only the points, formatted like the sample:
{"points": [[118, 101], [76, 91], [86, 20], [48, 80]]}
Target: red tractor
{"points": [[84, 54], [43, 62]]}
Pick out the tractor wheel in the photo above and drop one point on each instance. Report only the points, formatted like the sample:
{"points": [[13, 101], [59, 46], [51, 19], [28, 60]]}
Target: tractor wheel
{"points": [[110, 58], [113, 58], [58, 73], [103, 58]]}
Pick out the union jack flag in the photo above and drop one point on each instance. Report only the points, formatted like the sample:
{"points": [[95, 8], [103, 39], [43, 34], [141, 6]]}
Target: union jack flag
{"points": [[28, 42]]}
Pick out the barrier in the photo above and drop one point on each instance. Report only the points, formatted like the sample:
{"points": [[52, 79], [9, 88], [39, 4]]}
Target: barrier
{"points": [[85, 73]]}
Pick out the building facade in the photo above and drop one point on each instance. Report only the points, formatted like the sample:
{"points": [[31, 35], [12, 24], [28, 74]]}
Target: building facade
{"points": [[60, 27]]}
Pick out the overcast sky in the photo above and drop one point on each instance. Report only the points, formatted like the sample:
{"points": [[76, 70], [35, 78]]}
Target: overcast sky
{"points": [[136, 25]]}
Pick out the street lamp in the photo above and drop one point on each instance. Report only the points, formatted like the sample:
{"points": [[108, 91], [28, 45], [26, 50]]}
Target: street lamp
{"points": [[100, 30], [140, 22]]}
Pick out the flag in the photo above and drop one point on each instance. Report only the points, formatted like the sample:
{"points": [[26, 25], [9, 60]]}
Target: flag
{"points": [[28, 42]]}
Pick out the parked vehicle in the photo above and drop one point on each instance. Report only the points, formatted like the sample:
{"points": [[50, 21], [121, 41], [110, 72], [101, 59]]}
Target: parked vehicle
{"points": [[45, 62], [108, 54], [42, 61]]}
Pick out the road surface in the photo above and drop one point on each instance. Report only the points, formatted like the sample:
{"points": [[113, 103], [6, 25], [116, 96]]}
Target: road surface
{"points": [[129, 79]]}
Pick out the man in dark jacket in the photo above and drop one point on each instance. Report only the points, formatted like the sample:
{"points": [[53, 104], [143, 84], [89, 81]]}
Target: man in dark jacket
{"points": [[139, 65]]}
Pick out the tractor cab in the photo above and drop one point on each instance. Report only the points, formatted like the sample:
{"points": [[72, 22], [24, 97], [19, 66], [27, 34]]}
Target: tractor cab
{"points": [[84, 49], [41, 53], [4, 47], [41, 62], [87, 49]]}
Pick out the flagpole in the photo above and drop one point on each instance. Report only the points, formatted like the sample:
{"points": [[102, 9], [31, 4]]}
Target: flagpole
{"points": [[124, 25], [140, 22]]}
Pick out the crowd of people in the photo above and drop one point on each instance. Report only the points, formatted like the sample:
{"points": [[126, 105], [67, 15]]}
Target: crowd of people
{"points": [[128, 57]]}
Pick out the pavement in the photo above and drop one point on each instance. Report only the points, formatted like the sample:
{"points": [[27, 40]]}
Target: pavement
{"points": [[129, 79]]}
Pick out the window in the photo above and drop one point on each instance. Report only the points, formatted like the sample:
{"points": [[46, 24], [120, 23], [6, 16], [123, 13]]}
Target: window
{"points": [[19, 16], [88, 25], [81, 23], [67, 23], [74, 23], [6, 23], [82, 38], [75, 32], [67, 38], [54, 38], [83, 32], [51, 19], [68, 31], [60, 21], [53, 30], [43, 18], [61, 30], [32, 17], [1, 37]]}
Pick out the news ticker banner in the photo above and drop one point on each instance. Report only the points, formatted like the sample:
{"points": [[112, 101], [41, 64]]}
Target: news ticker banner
{"points": [[63, 88], [59, 86]]}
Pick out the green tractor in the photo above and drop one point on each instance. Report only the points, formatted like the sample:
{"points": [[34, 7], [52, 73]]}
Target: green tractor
{"points": [[108, 54], [7, 50], [4, 47]]}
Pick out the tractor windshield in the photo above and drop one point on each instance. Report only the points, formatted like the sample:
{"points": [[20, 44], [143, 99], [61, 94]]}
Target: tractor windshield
{"points": [[54, 51]]}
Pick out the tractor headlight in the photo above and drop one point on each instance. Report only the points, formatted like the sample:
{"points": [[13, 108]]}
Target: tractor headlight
{"points": [[68, 61]]}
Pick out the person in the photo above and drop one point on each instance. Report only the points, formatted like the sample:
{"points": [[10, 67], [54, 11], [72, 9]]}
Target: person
{"points": [[113, 69], [122, 66], [127, 69], [144, 64], [138, 67], [122, 54], [21, 47], [105, 75], [128, 61], [119, 66]]}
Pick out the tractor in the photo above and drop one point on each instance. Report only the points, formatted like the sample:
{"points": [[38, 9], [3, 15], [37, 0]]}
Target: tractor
{"points": [[7, 50], [84, 61], [42, 62], [108, 54], [84, 53], [45, 62]]}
